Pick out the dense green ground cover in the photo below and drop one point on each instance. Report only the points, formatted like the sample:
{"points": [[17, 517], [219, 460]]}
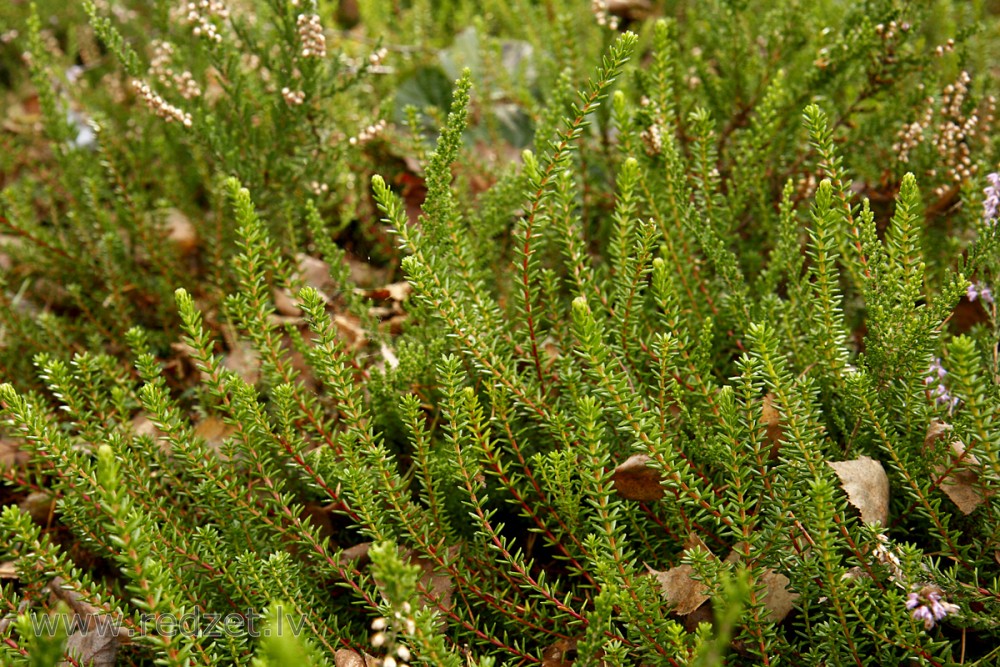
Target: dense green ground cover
{"points": [[524, 332]]}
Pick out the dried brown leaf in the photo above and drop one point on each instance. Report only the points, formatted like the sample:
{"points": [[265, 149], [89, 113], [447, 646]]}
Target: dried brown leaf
{"points": [[957, 476], [95, 643], [560, 654], [180, 231], [11, 454], [94, 647], [358, 554], [436, 583], [678, 584], [8, 570], [350, 330], [244, 361], [636, 479], [40, 505], [867, 487], [635, 10], [393, 291], [285, 303], [214, 430], [313, 271], [771, 418], [680, 589], [777, 598], [345, 657]]}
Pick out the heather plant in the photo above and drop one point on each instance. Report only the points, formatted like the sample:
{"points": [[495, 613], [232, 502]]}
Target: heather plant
{"points": [[677, 343]]}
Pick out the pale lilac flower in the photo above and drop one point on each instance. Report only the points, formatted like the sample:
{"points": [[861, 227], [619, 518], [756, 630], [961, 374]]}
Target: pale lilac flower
{"points": [[926, 605], [937, 373], [979, 291], [992, 202]]}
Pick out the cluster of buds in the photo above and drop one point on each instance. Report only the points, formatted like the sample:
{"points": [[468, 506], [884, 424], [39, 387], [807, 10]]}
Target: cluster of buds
{"points": [[293, 98], [885, 554], [318, 188], [603, 16], [991, 203], [936, 374], [202, 15], [947, 47], [311, 36], [952, 135], [926, 605], [160, 106], [368, 133], [159, 68], [376, 58], [889, 32], [386, 637]]}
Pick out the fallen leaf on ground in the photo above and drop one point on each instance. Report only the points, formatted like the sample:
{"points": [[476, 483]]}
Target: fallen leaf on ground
{"points": [[678, 585], [867, 487], [97, 644], [40, 505], [244, 361], [345, 657], [357, 555], [636, 479], [777, 598], [350, 330], [214, 430], [956, 475], [560, 654], [11, 454], [285, 303], [435, 582], [8, 570], [395, 291], [180, 231], [771, 418], [313, 271]]}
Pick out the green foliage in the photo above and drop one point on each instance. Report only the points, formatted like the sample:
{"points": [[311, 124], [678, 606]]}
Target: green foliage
{"points": [[695, 366]]}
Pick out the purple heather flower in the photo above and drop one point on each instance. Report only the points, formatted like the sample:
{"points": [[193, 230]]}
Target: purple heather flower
{"points": [[926, 605], [979, 291], [992, 202], [936, 373]]}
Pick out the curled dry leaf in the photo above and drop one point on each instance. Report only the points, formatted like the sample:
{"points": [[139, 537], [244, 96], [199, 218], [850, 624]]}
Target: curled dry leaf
{"points": [[95, 643], [436, 583], [956, 475], [357, 555], [560, 654], [777, 598], [214, 430], [350, 330], [244, 361], [771, 419], [635, 10], [11, 454], [867, 487], [40, 505], [8, 570], [285, 303], [394, 291], [345, 657], [636, 479], [314, 271], [180, 231], [678, 584]]}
